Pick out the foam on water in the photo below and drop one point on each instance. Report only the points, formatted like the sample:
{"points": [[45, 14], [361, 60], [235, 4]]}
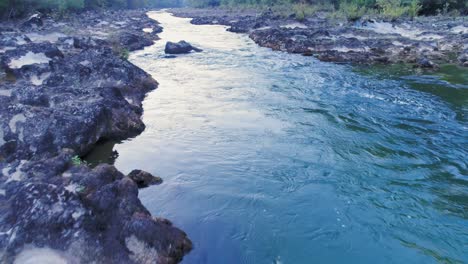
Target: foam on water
{"points": [[402, 30], [460, 29], [148, 30], [346, 49], [294, 25]]}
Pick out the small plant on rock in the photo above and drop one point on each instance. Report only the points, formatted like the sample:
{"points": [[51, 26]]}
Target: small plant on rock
{"points": [[124, 53], [76, 160]]}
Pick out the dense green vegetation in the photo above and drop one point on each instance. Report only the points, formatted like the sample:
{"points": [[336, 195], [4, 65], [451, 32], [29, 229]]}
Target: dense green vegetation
{"points": [[352, 9], [20, 7]]}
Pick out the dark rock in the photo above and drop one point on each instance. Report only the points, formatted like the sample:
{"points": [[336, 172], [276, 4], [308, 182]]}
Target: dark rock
{"points": [[84, 97], [34, 21], [426, 63], [157, 29], [90, 215], [463, 58], [144, 179], [238, 29], [180, 47], [133, 41], [58, 108]]}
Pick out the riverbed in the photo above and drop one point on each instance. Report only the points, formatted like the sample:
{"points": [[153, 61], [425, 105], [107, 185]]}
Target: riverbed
{"points": [[269, 157]]}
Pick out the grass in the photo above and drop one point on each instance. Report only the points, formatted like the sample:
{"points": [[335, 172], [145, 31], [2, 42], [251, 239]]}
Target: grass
{"points": [[124, 53], [117, 48], [76, 160]]}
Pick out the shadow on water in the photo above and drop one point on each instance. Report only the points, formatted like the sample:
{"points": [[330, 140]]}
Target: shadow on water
{"points": [[103, 152], [450, 82]]}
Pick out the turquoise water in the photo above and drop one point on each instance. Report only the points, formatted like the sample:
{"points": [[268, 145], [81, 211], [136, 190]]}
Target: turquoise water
{"points": [[269, 157]]}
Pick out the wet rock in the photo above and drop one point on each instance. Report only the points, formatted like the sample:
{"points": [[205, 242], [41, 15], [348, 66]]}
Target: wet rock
{"points": [[157, 29], [426, 63], [83, 97], [144, 179], [180, 47], [133, 41], [57, 101], [88, 215], [238, 29], [463, 59]]}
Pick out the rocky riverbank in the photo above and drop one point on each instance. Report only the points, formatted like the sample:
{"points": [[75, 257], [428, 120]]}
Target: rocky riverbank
{"points": [[424, 42], [65, 84]]}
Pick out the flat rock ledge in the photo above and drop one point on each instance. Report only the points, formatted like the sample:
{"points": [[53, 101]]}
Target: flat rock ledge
{"points": [[59, 95]]}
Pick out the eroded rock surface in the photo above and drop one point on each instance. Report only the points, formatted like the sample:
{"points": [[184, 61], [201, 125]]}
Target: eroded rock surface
{"points": [[86, 215], [60, 93]]}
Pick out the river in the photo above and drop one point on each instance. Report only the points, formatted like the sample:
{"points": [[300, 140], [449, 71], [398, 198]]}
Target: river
{"points": [[269, 157]]}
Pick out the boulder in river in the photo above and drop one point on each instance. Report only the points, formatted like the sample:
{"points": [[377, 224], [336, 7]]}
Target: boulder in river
{"points": [[463, 58], [143, 179], [427, 64], [180, 47]]}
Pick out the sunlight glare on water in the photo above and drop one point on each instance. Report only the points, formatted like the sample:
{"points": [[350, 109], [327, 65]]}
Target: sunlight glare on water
{"points": [[270, 157]]}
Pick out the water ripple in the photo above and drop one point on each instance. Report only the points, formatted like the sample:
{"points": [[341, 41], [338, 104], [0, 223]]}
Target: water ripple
{"points": [[272, 157]]}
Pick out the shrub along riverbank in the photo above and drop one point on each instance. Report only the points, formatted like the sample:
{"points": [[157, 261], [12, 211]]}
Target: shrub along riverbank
{"points": [[12, 8], [351, 9]]}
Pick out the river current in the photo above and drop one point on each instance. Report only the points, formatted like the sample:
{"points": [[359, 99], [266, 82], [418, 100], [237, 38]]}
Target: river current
{"points": [[269, 157]]}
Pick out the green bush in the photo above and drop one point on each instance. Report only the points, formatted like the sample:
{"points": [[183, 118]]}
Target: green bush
{"points": [[22, 7], [352, 10], [391, 9], [414, 8], [301, 11]]}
